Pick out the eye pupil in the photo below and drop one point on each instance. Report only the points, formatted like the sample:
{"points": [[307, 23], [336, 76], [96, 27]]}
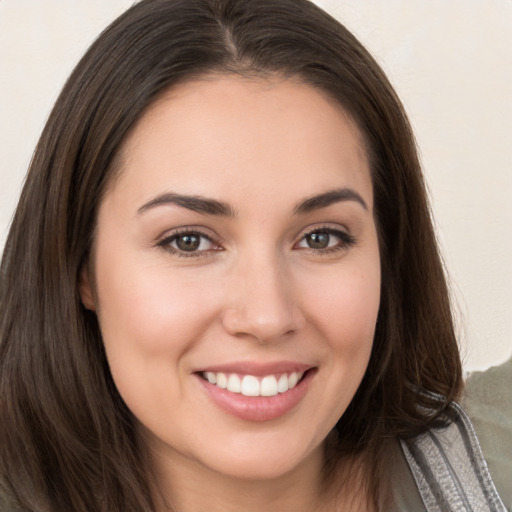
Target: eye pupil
{"points": [[189, 242], [318, 240]]}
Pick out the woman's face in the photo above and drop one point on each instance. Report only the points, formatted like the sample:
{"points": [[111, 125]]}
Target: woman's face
{"points": [[237, 274]]}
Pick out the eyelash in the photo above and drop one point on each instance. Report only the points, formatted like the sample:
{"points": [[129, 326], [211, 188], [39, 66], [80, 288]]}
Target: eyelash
{"points": [[345, 241]]}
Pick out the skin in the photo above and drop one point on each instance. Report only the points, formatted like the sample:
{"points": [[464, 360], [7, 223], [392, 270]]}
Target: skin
{"points": [[254, 291]]}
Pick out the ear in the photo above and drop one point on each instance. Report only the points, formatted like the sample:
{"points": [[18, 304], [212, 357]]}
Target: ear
{"points": [[85, 289]]}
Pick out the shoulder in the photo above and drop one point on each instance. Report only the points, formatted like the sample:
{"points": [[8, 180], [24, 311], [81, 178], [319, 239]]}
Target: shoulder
{"points": [[449, 469], [488, 402], [490, 392], [489, 388]]}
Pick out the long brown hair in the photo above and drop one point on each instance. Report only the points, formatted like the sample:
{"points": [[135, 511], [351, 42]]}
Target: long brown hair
{"points": [[67, 441]]}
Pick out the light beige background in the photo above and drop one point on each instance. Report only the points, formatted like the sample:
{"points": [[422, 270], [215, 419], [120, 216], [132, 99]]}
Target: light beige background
{"points": [[451, 62]]}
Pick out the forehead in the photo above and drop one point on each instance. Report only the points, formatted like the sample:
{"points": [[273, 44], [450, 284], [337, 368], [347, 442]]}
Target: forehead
{"points": [[213, 135]]}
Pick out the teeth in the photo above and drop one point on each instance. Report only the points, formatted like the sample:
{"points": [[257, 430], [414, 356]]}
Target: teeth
{"points": [[222, 380], [268, 386], [234, 384], [249, 385], [292, 381], [282, 384]]}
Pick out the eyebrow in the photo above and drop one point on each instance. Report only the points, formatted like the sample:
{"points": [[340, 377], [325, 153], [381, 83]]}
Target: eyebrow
{"points": [[195, 203], [207, 206], [325, 199]]}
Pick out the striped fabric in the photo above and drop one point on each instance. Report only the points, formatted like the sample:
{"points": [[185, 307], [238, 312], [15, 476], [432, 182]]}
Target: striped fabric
{"points": [[449, 469]]}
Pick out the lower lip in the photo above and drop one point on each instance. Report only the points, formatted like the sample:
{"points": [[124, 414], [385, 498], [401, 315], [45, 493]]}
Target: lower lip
{"points": [[258, 408]]}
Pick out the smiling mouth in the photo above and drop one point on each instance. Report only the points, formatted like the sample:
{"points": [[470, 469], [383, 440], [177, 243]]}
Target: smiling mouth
{"points": [[252, 386], [255, 393]]}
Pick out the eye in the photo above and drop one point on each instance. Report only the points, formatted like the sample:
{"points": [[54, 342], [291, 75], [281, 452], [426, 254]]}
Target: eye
{"points": [[326, 239], [189, 243]]}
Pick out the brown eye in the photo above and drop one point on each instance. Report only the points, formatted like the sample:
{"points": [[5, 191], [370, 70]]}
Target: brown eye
{"points": [[188, 242], [318, 240]]}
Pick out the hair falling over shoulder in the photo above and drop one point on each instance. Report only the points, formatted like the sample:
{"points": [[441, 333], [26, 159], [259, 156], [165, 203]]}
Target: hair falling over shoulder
{"points": [[67, 440]]}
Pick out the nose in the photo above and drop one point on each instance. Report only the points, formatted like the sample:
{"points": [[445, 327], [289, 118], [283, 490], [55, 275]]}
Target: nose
{"points": [[262, 304]]}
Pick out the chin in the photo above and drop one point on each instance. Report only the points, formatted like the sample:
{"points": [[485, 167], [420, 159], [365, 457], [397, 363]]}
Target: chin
{"points": [[263, 463]]}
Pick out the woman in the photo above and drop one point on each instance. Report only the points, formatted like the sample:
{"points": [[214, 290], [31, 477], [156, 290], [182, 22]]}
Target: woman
{"points": [[221, 287]]}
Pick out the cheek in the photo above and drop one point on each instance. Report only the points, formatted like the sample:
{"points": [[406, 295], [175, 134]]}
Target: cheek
{"points": [[344, 305], [149, 323], [151, 318], [146, 309]]}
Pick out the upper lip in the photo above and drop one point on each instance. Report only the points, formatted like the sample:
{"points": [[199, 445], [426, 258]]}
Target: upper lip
{"points": [[257, 369]]}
